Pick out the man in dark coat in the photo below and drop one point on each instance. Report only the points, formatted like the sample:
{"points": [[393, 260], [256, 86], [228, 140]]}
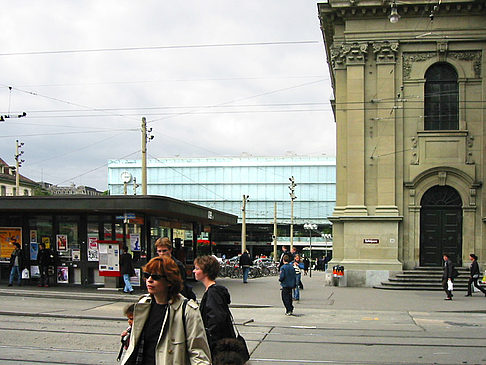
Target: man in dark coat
{"points": [[127, 270], [245, 263], [287, 282], [16, 265], [45, 258], [447, 276]]}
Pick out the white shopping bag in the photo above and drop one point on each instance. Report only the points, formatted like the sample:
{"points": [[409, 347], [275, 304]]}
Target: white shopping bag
{"points": [[450, 286], [25, 274]]}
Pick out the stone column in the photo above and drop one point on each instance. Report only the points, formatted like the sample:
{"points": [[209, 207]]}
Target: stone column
{"points": [[386, 102]]}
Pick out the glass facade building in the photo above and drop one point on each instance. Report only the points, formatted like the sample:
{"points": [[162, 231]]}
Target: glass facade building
{"points": [[220, 183]]}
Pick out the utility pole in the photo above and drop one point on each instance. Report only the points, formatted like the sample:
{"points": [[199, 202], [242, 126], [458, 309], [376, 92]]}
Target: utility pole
{"points": [[135, 186], [243, 223], [145, 138], [292, 186], [18, 163], [274, 237]]}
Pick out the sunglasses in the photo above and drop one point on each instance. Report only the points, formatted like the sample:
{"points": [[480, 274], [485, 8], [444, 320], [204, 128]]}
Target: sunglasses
{"points": [[156, 277]]}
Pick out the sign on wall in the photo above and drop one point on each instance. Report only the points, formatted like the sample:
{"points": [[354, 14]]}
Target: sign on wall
{"points": [[9, 236]]}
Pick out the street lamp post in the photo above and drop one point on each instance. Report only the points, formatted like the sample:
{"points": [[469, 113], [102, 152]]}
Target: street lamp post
{"points": [[292, 186], [310, 227]]}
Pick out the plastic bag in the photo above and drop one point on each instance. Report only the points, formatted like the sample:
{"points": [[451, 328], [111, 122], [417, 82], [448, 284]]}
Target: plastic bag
{"points": [[450, 285], [25, 274]]}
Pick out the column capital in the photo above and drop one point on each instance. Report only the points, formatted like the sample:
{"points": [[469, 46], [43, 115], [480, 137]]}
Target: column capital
{"points": [[345, 54], [385, 52]]}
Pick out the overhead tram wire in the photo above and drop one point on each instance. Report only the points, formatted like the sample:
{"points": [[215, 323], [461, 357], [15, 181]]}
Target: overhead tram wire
{"points": [[149, 48]]}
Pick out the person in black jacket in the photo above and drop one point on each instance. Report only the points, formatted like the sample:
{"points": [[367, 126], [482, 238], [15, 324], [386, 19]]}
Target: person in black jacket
{"points": [[45, 259], [16, 265], [447, 276], [126, 269], [215, 302], [245, 263], [474, 275]]}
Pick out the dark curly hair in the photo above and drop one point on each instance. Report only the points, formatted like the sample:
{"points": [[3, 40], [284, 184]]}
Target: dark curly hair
{"points": [[209, 265], [227, 352], [164, 265]]}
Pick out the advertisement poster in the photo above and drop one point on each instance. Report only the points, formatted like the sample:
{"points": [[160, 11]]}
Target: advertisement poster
{"points": [[93, 247], [34, 250], [76, 254], [46, 241], [109, 263], [34, 272], [62, 274], [135, 242], [9, 236], [33, 236], [62, 242], [135, 280]]}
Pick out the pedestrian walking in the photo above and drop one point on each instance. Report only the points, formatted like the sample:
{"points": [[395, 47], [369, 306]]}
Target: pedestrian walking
{"points": [[298, 266], [474, 275], [126, 269], [284, 252], [45, 258], [245, 263], [287, 283], [448, 277], [306, 265], [215, 302], [164, 247], [167, 328], [16, 265]]}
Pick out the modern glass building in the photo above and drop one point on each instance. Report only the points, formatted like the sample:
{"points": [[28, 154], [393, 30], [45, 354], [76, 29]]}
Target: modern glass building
{"points": [[220, 183]]}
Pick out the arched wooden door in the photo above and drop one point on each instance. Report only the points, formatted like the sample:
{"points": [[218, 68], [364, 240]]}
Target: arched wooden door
{"points": [[440, 226]]}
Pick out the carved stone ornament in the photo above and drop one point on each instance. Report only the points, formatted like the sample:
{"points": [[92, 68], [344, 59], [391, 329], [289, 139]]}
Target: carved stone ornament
{"points": [[410, 58], [473, 56], [385, 52], [348, 53], [469, 154], [415, 158], [442, 175], [472, 197]]}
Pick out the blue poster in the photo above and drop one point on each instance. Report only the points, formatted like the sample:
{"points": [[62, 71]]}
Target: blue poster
{"points": [[34, 250]]}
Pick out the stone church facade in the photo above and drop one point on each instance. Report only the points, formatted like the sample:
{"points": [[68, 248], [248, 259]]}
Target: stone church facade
{"points": [[410, 116]]}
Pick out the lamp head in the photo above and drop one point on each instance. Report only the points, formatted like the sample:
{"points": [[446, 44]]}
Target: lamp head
{"points": [[394, 16]]}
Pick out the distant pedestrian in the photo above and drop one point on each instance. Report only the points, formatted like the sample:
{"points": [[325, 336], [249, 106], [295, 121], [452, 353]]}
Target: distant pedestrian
{"points": [[298, 266], [45, 258], [287, 282], [127, 270], [245, 263], [306, 265], [16, 265], [474, 276], [284, 252], [447, 277]]}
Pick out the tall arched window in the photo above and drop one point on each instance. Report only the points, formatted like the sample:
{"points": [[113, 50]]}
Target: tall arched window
{"points": [[441, 98]]}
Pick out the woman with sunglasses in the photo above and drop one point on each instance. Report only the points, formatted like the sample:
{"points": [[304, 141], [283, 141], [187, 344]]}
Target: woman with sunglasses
{"points": [[167, 328], [215, 302]]}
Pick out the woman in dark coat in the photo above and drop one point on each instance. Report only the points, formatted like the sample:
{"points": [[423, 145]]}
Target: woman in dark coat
{"points": [[474, 276], [215, 302]]}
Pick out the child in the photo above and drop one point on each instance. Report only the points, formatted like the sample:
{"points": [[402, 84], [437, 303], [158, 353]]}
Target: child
{"points": [[125, 336]]}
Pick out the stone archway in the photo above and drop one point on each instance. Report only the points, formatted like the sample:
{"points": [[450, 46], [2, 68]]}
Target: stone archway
{"points": [[440, 226]]}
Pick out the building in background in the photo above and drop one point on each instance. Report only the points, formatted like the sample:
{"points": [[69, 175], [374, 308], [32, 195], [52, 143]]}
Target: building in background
{"points": [[52, 189], [220, 183], [8, 182], [409, 86]]}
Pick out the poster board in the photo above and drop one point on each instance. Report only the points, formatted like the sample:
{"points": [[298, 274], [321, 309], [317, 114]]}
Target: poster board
{"points": [[93, 254], [109, 258], [8, 236]]}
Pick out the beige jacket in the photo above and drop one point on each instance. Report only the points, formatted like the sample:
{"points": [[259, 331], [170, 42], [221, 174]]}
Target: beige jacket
{"points": [[173, 347]]}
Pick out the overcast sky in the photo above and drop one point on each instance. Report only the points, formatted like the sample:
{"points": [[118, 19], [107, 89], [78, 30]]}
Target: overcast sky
{"points": [[213, 78]]}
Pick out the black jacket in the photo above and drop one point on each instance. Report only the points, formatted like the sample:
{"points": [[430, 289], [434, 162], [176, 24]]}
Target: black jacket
{"points": [[215, 313], [474, 269], [245, 259], [448, 267], [126, 264], [20, 254], [45, 257]]}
